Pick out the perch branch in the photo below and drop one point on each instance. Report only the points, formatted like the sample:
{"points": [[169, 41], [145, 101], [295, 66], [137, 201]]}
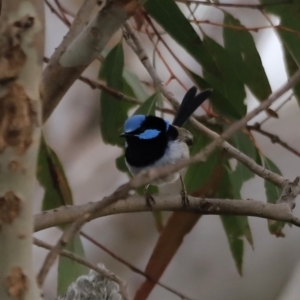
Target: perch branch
{"points": [[204, 206]]}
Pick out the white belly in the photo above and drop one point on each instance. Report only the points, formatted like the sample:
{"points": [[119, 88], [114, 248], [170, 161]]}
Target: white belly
{"points": [[176, 151]]}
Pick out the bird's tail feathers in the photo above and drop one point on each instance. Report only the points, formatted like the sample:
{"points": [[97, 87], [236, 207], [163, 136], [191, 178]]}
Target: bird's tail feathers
{"points": [[189, 104]]}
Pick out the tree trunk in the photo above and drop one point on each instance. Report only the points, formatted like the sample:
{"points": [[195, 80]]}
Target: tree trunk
{"points": [[21, 53]]}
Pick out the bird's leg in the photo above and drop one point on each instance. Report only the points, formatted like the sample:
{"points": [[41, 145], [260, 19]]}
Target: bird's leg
{"points": [[149, 199], [183, 193]]}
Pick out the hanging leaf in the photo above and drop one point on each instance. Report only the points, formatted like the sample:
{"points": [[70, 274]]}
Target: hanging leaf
{"points": [[135, 83], [228, 80], [51, 176], [245, 58], [273, 193], [69, 270], [236, 227], [220, 103], [171, 18], [291, 67], [113, 112], [289, 28], [241, 174], [148, 107]]}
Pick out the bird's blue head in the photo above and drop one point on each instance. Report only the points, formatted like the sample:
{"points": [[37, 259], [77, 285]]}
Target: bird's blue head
{"points": [[144, 127]]}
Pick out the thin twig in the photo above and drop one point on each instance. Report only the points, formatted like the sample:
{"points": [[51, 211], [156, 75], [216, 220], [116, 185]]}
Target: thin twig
{"points": [[234, 5], [132, 267], [274, 138], [277, 109], [102, 271], [243, 28], [204, 206], [54, 11]]}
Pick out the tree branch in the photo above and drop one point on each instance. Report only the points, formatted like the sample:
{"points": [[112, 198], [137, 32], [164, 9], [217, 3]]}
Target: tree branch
{"points": [[275, 139], [75, 54], [69, 214]]}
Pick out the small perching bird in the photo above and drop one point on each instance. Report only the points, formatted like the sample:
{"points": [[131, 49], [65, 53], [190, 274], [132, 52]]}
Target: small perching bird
{"points": [[154, 142]]}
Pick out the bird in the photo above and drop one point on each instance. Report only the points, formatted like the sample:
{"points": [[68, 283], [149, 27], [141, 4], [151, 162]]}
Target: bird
{"points": [[152, 141]]}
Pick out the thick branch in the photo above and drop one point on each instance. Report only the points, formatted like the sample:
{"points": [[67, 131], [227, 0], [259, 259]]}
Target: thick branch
{"points": [[70, 61], [69, 214]]}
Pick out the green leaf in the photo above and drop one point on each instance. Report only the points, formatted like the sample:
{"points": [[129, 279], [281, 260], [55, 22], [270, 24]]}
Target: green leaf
{"points": [[51, 176], [236, 227], [273, 193], [228, 80], [134, 82], [197, 174], [291, 67], [288, 14], [241, 174], [220, 103], [113, 112], [69, 270], [148, 107], [245, 58], [171, 18], [234, 235]]}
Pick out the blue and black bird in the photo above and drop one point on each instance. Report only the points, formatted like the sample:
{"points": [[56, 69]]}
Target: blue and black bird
{"points": [[153, 142]]}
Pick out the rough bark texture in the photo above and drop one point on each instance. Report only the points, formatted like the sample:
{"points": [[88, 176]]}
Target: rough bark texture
{"points": [[21, 53]]}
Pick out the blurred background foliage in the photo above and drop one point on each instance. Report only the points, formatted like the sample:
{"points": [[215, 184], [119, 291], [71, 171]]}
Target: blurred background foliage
{"points": [[219, 45]]}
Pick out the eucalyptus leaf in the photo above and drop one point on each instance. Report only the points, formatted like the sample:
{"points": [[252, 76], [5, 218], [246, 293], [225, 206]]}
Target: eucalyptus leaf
{"points": [[273, 193], [148, 107], [245, 58], [51, 175], [113, 112], [69, 270], [236, 227]]}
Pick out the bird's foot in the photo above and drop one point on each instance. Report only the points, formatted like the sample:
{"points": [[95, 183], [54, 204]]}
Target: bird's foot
{"points": [[148, 197], [149, 200], [183, 193], [184, 198]]}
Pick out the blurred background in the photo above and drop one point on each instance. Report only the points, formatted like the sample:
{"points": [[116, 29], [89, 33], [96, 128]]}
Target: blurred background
{"points": [[203, 268]]}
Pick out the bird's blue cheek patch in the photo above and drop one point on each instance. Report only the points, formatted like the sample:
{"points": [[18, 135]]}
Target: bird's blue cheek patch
{"points": [[149, 134], [134, 123]]}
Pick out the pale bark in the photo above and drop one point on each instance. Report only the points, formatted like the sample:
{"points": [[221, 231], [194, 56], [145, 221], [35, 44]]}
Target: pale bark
{"points": [[69, 61], [21, 53]]}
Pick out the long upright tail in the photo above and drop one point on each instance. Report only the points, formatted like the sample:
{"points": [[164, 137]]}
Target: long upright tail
{"points": [[189, 104]]}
